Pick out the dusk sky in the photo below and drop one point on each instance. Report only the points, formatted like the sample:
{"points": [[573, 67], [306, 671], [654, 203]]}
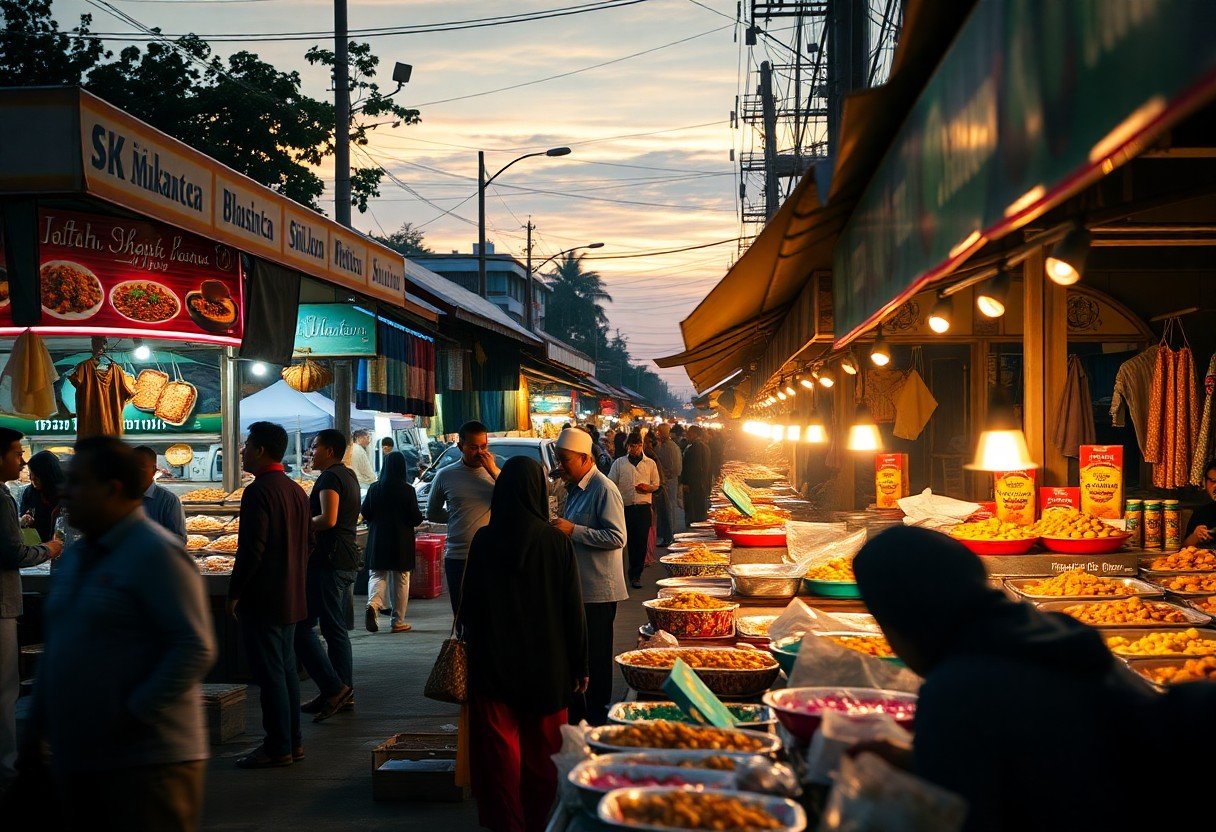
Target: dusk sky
{"points": [[681, 95]]}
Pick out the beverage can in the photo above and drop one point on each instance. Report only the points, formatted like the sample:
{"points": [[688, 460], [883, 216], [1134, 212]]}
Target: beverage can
{"points": [[1171, 525], [1134, 516], [1153, 524]]}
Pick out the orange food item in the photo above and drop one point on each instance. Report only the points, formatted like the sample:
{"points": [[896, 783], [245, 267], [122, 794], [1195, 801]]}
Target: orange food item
{"points": [[696, 810], [1192, 557], [1127, 611]]}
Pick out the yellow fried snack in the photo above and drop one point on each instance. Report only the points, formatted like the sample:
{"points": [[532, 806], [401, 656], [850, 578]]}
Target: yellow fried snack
{"points": [[695, 810], [715, 762], [1194, 670], [1207, 605], [680, 735], [1190, 583], [204, 495], [201, 523], [1074, 525], [692, 601], [723, 658], [992, 529], [875, 646], [699, 554], [1127, 611], [837, 569], [1190, 558], [1075, 583], [1170, 643], [227, 543]]}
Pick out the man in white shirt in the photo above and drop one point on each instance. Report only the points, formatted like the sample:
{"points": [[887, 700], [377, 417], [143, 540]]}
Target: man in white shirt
{"points": [[637, 477], [361, 457], [460, 497]]}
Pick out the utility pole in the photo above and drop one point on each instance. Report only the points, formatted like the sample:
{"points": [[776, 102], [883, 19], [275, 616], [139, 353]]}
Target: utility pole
{"points": [[481, 223], [772, 200], [529, 315], [342, 116], [848, 24]]}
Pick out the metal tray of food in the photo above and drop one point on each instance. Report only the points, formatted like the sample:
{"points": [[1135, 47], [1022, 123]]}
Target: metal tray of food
{"points": [[790, 816], [1161, 582], [1134, 586], [584, 775], [1194, 618], [1143, 668], [1197, 604], [1132, 634], [694, 582], [603, 738]]}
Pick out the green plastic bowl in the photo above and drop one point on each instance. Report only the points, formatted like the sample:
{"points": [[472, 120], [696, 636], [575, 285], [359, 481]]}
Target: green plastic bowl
{"points": [[786, 654], [832, 589]]}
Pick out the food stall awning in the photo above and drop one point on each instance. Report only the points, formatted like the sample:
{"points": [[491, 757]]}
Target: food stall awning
{"points": [[60, 141], [1031, 103], [459, 302]]}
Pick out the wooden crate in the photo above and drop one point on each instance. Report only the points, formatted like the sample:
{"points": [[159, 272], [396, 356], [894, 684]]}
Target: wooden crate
{"points": [[423, 783], [225, 706]]}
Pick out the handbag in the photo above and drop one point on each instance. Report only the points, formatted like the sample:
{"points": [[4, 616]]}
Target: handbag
{"points": [[449, 679]]}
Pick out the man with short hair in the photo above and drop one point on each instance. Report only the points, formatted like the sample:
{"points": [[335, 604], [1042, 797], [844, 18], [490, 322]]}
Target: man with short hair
{"points": [[636, 477], [361, 457], [594, 520], [460, 497], [14, 556], [1201, 529], [386, 446], [128, 641], [671, 461], [267, 591], [160, 504], [332, 567]]}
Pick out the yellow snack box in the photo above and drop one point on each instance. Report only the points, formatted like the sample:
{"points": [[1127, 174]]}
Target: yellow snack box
{"points": [[890, 479], [1102, 481], [1015, 496]]}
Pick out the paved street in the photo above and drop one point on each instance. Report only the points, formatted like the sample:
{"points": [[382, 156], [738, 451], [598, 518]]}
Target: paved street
{"points": [[331, 789]]}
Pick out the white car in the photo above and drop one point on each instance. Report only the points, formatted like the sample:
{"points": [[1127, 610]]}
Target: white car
{"points": [[503, 448]]}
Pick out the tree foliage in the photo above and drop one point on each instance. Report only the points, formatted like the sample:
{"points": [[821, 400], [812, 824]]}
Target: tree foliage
{"points": [[407, 240]]}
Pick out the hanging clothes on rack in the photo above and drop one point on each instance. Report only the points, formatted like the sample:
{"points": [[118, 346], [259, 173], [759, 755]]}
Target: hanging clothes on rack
{"points": [[1173, 418], [882, 386], [1074, 420], [1133, 386], [914, 404], [27, 383], [1204, 442], [101, 394]]}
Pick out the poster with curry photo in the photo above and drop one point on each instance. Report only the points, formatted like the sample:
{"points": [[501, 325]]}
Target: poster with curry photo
{"points": [[104, 275]]}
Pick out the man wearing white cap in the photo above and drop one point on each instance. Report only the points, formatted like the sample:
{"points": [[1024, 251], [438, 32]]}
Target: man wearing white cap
{"points": [[594, 519]]}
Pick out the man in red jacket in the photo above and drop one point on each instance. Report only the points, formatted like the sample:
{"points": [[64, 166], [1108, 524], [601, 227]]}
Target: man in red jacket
{"points": [[266, 593]]}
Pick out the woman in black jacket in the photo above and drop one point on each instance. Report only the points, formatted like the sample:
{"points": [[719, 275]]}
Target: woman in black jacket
{"points": [[391, 512], [40, 500], [522, 613]]}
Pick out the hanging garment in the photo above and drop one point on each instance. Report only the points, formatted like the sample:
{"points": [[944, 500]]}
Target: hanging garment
{"points": [[27, 383], [1203, 439], [914, 403], [1154, 428], [1133, 384], [101, 395], [882, 386], [1074, 420], [1173, 419]]}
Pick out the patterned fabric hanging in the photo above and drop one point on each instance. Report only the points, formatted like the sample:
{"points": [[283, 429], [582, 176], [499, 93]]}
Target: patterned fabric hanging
{"points": [[401, 379], [1203, 440], [1173, 418]]}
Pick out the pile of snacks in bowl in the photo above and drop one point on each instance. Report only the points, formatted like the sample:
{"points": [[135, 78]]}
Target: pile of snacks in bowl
{"points": [[692, 615]]}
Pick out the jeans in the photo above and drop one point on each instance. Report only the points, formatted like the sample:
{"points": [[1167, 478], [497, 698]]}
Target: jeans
{"points": [[387, 590], [453, 570], [637, 533], [272, 661], [331, 667], [10, 690], [594, 706]]}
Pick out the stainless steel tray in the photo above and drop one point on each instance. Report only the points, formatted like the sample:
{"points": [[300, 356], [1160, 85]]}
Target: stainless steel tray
{"points": [[1134, 587], [1140, 668], [1194, 618], [1159, 581], [1132, 634]]}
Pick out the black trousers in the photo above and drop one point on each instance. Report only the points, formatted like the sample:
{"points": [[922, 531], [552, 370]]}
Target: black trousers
{"points": [[637, 531], [594, 706]]}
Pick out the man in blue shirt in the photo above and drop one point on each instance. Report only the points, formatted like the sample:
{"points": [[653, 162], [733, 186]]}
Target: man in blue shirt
{"points": [[160, 504]]}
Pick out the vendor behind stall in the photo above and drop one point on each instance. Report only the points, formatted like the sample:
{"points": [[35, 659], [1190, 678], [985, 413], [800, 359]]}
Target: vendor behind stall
{"points": [[40, 501], [1201, 530]]}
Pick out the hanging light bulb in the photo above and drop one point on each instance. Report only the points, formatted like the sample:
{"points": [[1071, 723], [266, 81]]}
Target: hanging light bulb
{"points": [[790, 391], [816, 433], [777, 432], [992, 294], [781, 395], [849, 363], [826, 378], [863, 433], [808, 383], [1002, 445], [142, 351], [1066, 263], [258, 368], [880, 353], [939, 318], [793, 433]]}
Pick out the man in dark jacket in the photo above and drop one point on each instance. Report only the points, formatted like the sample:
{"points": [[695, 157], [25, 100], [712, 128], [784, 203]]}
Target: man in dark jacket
{"points": [[696, 476], [266, 593]]}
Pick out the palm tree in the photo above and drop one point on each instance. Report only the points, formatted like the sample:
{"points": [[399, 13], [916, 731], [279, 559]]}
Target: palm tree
{"points": [[576, 314]]}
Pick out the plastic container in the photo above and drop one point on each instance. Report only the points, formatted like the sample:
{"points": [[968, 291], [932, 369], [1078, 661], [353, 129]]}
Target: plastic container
{"points": [[426, 581]]}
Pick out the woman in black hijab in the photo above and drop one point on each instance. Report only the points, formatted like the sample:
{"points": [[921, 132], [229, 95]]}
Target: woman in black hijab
{"points": [[522, 614], [40, 500], [1025, 714], [392, 513]]}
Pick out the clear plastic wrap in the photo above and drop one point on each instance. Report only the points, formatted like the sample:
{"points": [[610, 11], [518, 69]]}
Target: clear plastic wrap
{"points": [[758, 774], [798, 619], [838, 732], [870, 795], [822, 661]]}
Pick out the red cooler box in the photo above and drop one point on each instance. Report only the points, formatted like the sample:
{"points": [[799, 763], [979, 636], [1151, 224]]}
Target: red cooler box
{"points": [[426, 581]]}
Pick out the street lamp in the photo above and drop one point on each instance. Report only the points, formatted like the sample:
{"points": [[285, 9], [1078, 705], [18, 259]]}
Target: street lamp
{"points": [[528, 316], [482, 183]]}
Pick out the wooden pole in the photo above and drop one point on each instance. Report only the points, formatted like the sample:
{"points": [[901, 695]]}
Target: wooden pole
{"points": [[1044, 365]]}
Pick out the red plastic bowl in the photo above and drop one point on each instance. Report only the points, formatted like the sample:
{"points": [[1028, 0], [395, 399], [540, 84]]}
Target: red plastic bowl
{"points": [[999, 547], [802, 720], [723, 530], [1086, 545], [755, 537]]}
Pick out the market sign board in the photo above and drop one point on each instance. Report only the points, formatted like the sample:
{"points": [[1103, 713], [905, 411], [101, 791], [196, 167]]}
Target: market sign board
{"points": [[552, 404], [335, 330], [103, 275], [1032, 102]]}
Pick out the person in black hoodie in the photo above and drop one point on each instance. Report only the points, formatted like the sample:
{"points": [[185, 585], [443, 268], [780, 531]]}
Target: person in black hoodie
{"points": [[1025, 714], [391, 511], [522, 614]]}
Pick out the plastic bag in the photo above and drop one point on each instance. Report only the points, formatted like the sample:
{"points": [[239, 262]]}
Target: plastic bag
{"points": [[574, 750], [839, 731], [660, 639], [933, 511], [806, 542], [798, 619], [759, 774], [823, 662], [870, 795]]}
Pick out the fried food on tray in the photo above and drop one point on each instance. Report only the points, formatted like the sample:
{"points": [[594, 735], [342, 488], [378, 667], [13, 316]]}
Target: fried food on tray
{"points": [[227, 543], [764, 516], [1207, 605], [235, 496], [197, 542], [695, 810], [216, 564], [148, 387], [691, 601], [176, 402], [1126, 611], [837, 569], [233, 525], [699, 554], [723, 658], [1190, 583], [202, 524], [680, 735], [992, 529], [1193, 670], [1073, 524], [875, 646], [1168, 643], [205, 495], [1075, 583], [1190, 558]]}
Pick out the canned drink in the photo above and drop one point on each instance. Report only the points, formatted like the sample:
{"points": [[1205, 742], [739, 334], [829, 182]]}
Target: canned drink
{"points": [[1153, 524], [1171, 525], [1134, 515]]}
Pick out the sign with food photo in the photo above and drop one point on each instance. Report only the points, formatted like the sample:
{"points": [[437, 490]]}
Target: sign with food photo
{"points": [[117, 276]]}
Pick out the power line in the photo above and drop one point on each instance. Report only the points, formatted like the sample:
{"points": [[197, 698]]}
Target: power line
{"points": [[731, 240]]}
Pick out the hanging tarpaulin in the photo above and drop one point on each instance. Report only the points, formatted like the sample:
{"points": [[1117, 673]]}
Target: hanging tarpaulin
{"points": [[401, 379], [1032, 103]]}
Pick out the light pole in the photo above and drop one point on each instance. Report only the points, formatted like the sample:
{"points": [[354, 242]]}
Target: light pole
{"points": [[532, 271], [482, 183]]}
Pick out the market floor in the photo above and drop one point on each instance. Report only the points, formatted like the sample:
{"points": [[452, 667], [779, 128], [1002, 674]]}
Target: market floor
{"points": [[331, 788]]}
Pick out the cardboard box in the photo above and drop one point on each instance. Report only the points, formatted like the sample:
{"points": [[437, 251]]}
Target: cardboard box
{"points": [[225, 706], [419, 767], [1102, 481], [890, 479], [1014, 492], [1058, 497]]}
